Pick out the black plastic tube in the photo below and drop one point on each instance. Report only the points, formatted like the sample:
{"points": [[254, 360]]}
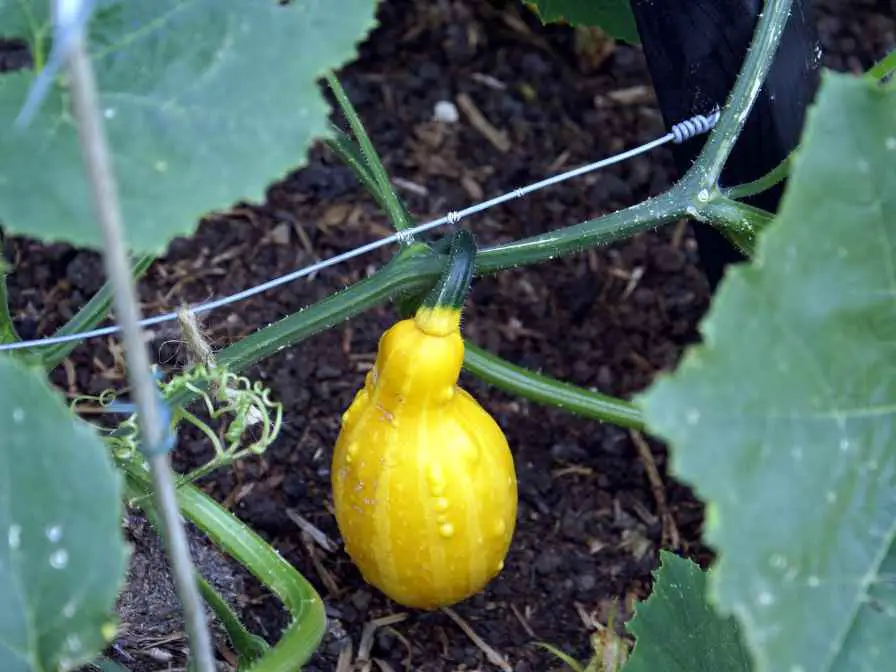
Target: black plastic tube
{"points": [[694, 50]]}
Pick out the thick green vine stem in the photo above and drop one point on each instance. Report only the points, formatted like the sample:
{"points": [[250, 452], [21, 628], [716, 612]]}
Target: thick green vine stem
{"points": [[740, 222], [304, 634], [549, 391], [708, 167]]}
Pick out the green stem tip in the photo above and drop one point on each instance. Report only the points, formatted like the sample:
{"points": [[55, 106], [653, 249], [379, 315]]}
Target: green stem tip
{"points": [[452, 288], [439, 314]]}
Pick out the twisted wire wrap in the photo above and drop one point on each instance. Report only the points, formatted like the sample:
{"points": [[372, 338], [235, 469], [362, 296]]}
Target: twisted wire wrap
{"points": [[696, 125]]}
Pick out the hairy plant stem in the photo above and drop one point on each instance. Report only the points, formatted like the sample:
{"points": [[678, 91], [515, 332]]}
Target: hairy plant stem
{"points": [[545, 390], [153, 426], [741, 222], [705, 172], [610, 228], [776, 175], [396, 211]]}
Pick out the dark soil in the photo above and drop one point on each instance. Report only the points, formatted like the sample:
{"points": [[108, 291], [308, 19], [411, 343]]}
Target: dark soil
{"points": [[589, 523]]}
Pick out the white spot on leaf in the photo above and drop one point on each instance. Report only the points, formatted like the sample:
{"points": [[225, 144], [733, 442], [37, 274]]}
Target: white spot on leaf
{"points": [[59, 559], [14, 536]]}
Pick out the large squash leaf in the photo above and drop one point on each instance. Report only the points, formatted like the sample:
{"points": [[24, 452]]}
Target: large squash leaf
{"points": [[784, 420], [62, 555], [206, 102], [677, 630], [614, 16]]}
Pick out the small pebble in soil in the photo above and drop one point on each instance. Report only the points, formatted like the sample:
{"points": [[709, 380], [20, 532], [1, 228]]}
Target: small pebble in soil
{"points": [[446, 112], [280, 234]]}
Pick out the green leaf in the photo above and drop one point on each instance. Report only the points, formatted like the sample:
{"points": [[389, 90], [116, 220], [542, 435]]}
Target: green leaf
{"points": [[613, 16], [783, 419], [62, 556], [676, 629], [206, 102], [8, 332]]}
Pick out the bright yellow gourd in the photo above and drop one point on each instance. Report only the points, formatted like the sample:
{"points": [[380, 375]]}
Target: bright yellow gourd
{"points": [[423, 480]]}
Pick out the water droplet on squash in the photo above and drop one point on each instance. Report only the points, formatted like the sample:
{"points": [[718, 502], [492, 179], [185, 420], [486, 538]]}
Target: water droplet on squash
{"points": [[500, 565], [436, 480], [351, 451], [441, 504], [446, 530], [500, 528]]}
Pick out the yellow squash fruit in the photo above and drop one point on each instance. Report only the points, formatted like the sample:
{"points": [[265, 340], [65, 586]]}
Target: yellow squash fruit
{"points": [[424, 486]]}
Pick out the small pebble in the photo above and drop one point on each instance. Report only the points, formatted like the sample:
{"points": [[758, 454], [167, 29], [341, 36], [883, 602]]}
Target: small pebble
{"points": [[446, 112], [280, 234]]}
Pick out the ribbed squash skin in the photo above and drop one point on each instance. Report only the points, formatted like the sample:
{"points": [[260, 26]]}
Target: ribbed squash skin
{"points": [[423, 480]]}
